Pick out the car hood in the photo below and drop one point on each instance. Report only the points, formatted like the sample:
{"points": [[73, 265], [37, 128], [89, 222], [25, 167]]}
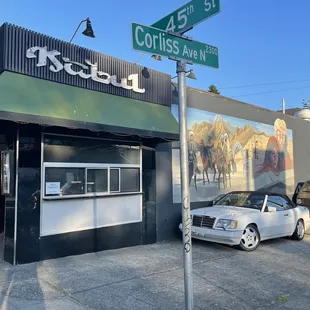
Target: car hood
{"points": [[228, 212]]}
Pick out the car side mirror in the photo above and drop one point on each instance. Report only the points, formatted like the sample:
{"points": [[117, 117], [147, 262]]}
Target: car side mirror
{"points": [[271, 209]]}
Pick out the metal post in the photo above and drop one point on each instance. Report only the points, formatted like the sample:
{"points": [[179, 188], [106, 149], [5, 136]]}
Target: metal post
{"points": [[16, 194], [77, 29], [186, 221], [283, 106], [139, 58]]}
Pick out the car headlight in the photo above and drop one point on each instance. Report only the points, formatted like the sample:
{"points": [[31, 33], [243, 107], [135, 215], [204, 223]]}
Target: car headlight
{"points": [[226, 224]]}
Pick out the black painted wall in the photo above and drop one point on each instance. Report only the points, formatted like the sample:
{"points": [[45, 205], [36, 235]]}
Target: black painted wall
{"points": [[149, 196], [30, 247], [10, 137], [1, 49], [92, 240], [168, 214], [15, 41], [28, 198]]}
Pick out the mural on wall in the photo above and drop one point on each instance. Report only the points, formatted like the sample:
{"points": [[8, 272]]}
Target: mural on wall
{"points": [[228, 153]]}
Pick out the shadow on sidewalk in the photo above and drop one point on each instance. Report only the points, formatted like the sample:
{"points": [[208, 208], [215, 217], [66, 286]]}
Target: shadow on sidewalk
{"points": [[21, 288]]}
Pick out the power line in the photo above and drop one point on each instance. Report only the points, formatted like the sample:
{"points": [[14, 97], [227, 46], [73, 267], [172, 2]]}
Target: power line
{"points": [[265, 84], [269, 92]]}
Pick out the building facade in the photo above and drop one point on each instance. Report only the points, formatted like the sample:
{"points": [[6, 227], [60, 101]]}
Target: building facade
{"points": [[261, 149], [81, 136], [90, 154]]}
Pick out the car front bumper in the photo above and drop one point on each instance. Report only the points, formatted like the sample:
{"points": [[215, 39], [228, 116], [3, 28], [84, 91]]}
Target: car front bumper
{"points": [[216, 235]]}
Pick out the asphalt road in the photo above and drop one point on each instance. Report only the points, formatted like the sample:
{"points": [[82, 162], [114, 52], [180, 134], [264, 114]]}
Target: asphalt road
{"points": [[275, 276]]}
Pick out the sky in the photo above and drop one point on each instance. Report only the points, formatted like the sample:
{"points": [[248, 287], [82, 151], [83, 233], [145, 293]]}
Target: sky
{"points": [[259, 41]]}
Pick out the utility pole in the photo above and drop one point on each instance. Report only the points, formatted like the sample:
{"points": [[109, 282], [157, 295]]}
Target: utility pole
{"points": [[172, 28], [185, 195], [283, 106]]}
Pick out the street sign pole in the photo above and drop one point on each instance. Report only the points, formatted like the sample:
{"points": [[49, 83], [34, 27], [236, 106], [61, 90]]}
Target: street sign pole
{"points": [[166, 38], [185, 194]]}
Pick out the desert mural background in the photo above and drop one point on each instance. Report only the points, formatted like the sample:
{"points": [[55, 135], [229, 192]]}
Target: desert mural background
{"points": [[251, 155]]}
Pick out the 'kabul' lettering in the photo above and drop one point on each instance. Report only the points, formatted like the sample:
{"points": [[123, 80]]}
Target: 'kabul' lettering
{"points": [[95, 75]]}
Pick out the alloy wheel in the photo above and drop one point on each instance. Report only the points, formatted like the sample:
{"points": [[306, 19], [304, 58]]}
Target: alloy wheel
{"points": [[250, 238], [300, 229]]}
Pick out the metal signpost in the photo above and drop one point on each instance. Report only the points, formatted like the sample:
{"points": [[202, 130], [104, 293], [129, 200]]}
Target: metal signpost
{"points": [[166, 38]]}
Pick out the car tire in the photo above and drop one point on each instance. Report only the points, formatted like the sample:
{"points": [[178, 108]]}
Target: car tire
{"points": [[299, 232], [250, 239]]}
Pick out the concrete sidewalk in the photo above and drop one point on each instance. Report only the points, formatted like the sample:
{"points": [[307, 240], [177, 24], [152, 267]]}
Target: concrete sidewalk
{"points": [[276, 276]]}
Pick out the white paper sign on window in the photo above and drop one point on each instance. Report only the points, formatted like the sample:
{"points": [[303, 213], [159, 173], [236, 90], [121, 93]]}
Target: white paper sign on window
{"points": [[52, 188]]}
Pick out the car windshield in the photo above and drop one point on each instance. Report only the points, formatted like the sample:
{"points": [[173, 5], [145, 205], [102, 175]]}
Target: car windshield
{"points": [[242, 200]]}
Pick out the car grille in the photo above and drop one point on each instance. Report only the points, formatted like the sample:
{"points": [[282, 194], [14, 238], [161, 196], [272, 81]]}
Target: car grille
{"points": [[203, 221]]}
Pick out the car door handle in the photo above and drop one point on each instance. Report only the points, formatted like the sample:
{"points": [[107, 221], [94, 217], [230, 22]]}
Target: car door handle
{"points": [[286, 214]]}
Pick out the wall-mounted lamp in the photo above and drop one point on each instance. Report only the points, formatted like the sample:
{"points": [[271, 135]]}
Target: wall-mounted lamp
{"points": [[88, 32]]}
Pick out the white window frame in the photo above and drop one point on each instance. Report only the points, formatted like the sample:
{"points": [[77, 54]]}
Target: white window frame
{"points": [[119, 180], [90, 166]]}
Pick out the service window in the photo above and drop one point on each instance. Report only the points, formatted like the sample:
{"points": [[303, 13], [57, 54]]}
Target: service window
{"points": [[97, 180], [64, 181], [130, 180], [77, 167]]}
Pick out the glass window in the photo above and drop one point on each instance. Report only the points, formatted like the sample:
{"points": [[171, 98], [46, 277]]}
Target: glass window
{"points": [[286, 205], [276, 202], [83, 150], [130, 180], [97, 180], [114, 180], [64, 181], [242, 200]]}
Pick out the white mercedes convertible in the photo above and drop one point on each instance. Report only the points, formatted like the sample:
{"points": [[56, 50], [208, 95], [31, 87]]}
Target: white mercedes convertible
{"points": [[247, 218]]}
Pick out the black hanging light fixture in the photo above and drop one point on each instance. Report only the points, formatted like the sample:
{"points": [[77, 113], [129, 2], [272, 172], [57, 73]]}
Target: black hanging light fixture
{"points": [[88, 32]]}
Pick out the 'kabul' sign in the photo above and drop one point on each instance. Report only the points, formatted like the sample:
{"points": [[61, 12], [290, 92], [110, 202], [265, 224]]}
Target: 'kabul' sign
{"points": [[95, 74]]}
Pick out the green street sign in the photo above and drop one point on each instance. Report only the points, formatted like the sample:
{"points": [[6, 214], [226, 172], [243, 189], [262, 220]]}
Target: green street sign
{"points": [[154, 41], [190, 14]]}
